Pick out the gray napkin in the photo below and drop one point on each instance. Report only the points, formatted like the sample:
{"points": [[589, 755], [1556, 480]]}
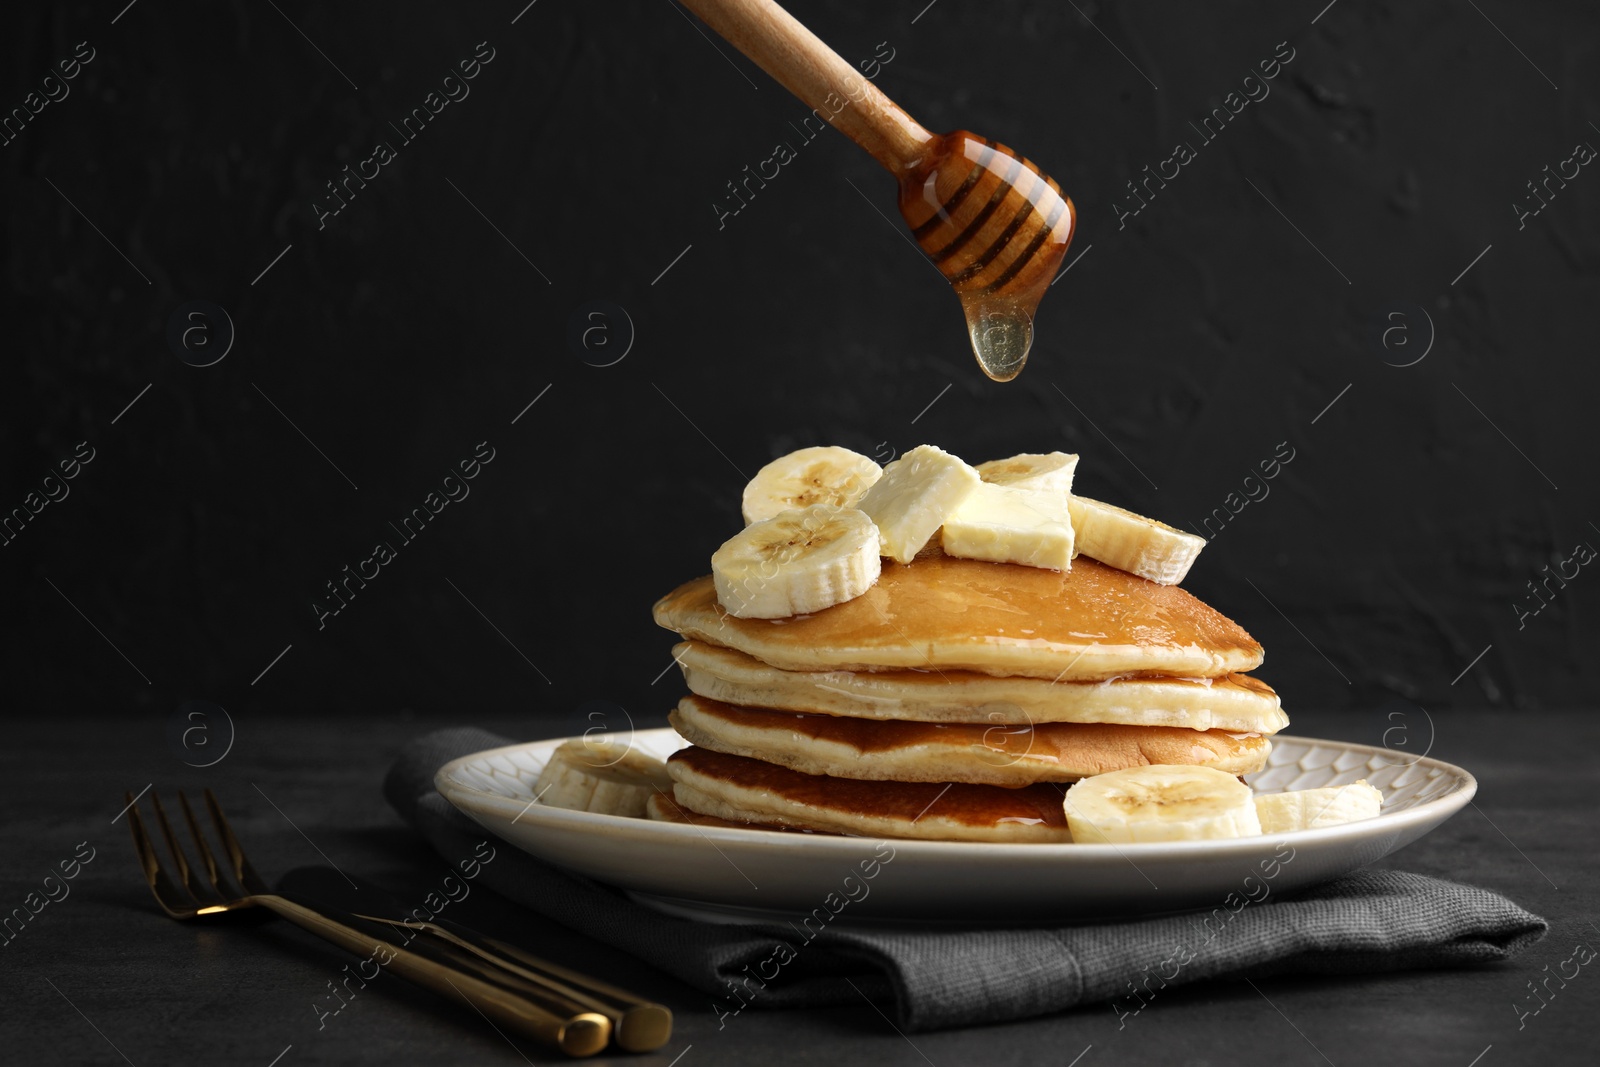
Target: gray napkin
{"points": [[1374, 920]]}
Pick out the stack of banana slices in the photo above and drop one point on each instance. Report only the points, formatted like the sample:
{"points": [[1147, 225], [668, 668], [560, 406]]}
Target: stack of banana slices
{"points": [[940, 651]]}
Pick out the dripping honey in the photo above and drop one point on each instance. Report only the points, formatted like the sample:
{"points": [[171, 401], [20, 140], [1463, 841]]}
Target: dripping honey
{"points": [[997, 228]]}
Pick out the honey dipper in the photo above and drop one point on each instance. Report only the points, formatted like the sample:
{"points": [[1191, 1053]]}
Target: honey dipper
{"points": [[995, 225]]}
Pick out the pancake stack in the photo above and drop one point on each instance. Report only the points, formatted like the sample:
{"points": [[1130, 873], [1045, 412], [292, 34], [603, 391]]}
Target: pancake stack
{"points": [[954, 698]]}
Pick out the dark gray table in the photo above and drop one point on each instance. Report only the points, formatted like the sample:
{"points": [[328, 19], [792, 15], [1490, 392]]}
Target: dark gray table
{"points": [[100, 977]]}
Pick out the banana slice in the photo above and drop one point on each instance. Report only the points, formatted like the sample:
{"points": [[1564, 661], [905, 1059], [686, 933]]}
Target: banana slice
{"points": [[797, 562], [1007, 525], [601, 775], [1132, 543], [1308, 809], [916, 494], [1160, 803], [826, 474], [1032, 470]]}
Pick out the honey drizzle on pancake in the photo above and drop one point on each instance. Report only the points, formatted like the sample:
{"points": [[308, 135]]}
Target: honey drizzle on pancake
{"points": [[972, 805], [938, 600], [1041, 741]]}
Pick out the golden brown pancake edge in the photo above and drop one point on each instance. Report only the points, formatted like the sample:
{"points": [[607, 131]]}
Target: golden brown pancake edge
{"points": [[1004, 755], [1088, 624], [747, 790]]}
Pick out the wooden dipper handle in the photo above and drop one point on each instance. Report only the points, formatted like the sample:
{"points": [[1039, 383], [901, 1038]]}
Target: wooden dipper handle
{"points": [[809, 69]]}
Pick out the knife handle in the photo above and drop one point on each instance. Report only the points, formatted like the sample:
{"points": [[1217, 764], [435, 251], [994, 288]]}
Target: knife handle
{"points": [[638, 1025], [579, 1034]]}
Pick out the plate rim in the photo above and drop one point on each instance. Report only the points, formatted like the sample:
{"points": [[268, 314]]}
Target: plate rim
{"points": [[1431, 812]]}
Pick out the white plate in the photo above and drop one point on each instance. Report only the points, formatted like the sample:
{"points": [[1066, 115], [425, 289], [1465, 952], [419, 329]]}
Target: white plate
{"points": [[729, 874]]}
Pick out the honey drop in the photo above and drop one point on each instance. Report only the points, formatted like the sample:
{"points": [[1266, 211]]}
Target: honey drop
{"points": [[1001, 332]]}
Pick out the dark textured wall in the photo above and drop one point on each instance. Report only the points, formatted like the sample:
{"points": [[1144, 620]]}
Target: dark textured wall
{"points": [[1237, 314]]}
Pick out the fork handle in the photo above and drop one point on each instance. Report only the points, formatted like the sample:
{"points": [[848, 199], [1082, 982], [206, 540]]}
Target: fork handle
{"points": [[581, 1034]]}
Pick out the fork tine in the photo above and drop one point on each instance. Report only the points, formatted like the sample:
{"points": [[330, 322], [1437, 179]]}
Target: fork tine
{"points": [[218, 881], [241, 866], [141, 842], [175, 848], [166, 894]]}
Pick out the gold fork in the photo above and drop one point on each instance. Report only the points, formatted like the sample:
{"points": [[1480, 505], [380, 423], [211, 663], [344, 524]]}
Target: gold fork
{"points": [[504, 999]]}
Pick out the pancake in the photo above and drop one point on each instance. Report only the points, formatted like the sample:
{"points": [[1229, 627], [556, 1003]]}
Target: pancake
{"points": [[1009, 756], [747, 790], [1087, 624], [1235, 702], [662, 808]]}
